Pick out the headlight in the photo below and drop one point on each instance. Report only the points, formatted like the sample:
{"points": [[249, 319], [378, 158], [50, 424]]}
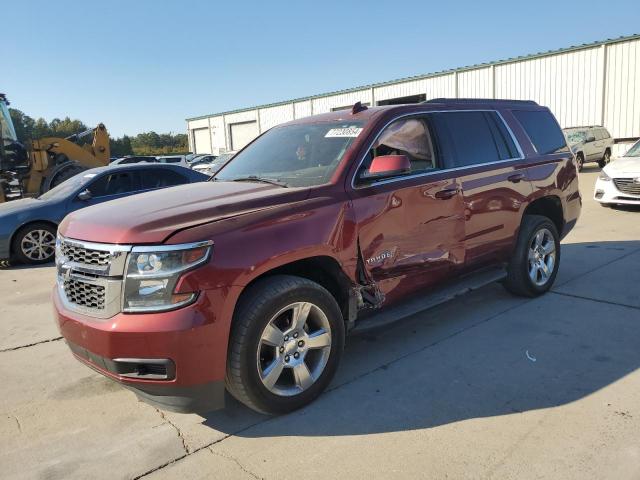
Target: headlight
{"points": [[153, 272], [604, 177]]}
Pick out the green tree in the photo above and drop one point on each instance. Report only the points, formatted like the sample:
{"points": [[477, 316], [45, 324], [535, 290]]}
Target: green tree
{"points": [[23, 124]]}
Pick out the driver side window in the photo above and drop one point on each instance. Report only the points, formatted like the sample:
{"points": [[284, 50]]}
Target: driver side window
{"points": [[407, 136]]}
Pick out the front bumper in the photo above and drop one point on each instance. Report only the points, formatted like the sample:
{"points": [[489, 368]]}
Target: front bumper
{"points": [[190, 342], [606, 192]]}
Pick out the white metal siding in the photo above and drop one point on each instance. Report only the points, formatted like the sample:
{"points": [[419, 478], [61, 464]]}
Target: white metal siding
{"points": [[325, 104], [574, 84], [441, 86], [570, 84], [622, 112], [475, 83], [272, 116], [201, 140], [302, 109]]}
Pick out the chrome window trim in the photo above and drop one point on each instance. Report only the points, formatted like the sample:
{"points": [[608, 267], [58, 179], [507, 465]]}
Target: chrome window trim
{"points": [[441, 170]]}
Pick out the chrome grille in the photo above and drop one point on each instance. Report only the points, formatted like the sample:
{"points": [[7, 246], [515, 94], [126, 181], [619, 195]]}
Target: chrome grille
{"points": [[84, 294], [90, 276], [75, 253], [627, 185]]}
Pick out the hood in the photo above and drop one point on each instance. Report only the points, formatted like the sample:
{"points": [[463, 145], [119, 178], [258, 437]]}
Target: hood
{"points": [[152, 217], [15, 207], [623, 166]]}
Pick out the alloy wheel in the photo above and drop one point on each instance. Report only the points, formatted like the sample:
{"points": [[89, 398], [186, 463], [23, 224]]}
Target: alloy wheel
{"points": [[542, 257], [38, 245], [294, 349]]}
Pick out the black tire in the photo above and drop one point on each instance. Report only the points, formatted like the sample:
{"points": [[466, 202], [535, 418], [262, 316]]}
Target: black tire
{"points": [[606, 158], [22, 235], [518, 280], [580, 160], [255, 310]]}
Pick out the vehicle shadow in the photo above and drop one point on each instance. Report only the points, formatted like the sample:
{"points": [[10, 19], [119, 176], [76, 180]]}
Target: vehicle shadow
{"points": [[482, 355]]}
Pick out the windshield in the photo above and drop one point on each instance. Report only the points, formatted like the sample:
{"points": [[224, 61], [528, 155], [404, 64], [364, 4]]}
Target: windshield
{"points": [[6, 125], [576, 137], [300, 155], [634, 151], [68, 187]]}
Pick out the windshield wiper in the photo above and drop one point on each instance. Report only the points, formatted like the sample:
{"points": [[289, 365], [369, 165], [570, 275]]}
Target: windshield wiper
{"points": [[254, 178]]}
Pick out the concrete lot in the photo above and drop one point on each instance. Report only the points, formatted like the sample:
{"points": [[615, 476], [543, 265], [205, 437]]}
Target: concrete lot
{"points": [[488, 386]]}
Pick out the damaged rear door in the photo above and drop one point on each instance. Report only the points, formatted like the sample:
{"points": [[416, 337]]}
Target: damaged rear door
{"points": [[410, 226]]}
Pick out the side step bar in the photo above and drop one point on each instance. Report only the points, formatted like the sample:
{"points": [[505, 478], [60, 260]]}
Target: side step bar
{"points": [[437, 296]]}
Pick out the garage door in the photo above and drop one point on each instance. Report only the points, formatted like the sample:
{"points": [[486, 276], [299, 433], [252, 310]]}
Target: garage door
{"points": [[201, 140], [242, 133]]}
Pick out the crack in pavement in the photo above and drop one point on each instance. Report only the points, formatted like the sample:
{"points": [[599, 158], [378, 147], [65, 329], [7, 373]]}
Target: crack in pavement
{"points": [[237, 462], [635, 250], [180, 435], [607, 302], [18, 423], [11, 349]]}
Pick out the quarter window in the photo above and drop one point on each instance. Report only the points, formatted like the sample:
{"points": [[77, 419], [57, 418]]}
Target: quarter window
{"points": [[543, 131]]}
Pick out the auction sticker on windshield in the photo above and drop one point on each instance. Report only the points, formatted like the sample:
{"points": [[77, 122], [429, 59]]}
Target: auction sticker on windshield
{"points": [[344, 132]]}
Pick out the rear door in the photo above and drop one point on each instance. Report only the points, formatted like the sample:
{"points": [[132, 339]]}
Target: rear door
{"points": [[491, 172], [411, 226]]}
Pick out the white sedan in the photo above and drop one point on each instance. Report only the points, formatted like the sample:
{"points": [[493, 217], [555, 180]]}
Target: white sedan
{"points": [[619, 181]]}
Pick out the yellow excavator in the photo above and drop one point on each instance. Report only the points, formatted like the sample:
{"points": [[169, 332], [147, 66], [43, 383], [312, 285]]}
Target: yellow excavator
{"points": [[47, 162]]}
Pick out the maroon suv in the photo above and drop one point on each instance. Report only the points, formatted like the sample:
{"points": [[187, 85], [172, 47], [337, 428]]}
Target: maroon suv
{"points": [[320, 226]]}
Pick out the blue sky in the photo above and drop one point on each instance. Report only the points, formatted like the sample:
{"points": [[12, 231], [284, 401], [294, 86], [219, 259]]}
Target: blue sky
{"points": [[147, 65]]}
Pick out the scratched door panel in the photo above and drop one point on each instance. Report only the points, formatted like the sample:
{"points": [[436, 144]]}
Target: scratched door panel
{"points": [[409, 238]]}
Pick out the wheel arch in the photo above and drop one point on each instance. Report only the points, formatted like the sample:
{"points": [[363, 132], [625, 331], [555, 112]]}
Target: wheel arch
{"points": [[549, 206], [323, 270]]}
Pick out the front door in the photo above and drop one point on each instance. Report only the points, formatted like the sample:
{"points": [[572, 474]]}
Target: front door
{"points": [[411, 226]]}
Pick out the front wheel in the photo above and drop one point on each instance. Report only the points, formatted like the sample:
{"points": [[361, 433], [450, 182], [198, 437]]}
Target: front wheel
{"points": [[580, 160], [534, 264], [35, 243], [604, 161], [286, 342]]}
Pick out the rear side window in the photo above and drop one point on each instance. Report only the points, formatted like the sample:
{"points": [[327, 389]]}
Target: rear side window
{"points": [[543, 131], [115, 184], [472, 138]]}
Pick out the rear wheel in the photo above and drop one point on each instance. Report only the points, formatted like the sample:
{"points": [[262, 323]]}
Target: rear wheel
{"points": [[285, 345], [534, 264], [35, 243]]}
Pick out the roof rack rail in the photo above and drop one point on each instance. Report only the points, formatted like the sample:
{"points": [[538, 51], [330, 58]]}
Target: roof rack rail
{"points": [[481, 100]]}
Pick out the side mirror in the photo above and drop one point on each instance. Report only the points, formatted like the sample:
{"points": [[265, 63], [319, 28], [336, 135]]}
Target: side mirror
{"points": [[85, 195], [388, 166], [590, 139]]}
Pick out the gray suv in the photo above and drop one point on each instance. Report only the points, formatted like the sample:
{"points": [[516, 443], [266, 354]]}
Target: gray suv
{"points": [[590, 144]]}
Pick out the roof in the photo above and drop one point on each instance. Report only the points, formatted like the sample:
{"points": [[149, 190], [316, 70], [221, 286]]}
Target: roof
{"points": [[429, 75]]}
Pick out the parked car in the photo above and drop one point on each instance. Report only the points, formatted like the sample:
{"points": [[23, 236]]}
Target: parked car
{"points": [[200, 159], [134, 159], [619, 182], [174, 159], [321, 226], [212, 167], [590, 144], [28, 226]]}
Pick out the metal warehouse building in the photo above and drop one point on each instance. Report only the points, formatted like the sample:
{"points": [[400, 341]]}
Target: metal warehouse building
{"points": [[591, 84]]}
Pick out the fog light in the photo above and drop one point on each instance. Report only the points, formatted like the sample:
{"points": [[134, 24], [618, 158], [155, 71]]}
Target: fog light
{"points": [[599, 193]]}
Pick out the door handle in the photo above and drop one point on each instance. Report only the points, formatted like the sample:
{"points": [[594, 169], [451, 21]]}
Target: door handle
{"points": [[447, 193], [516, 178]]}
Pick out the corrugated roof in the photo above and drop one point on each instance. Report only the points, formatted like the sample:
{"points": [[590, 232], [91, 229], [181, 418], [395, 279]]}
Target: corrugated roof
{"points": [[428, 75]]}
